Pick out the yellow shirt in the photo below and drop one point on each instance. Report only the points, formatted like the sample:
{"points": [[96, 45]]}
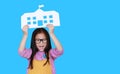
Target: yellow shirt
{"points": [[40, 68]]}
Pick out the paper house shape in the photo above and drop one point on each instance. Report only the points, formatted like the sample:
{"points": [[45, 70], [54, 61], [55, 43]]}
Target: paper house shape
{"points": [[40, 18]]}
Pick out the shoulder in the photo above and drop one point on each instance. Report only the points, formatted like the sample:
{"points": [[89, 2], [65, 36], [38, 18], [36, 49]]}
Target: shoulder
{"points": [[26, 53], [55, 53]]}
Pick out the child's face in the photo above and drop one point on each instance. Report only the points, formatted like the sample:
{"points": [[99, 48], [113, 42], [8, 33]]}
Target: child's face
{"points": [[40, 41]]}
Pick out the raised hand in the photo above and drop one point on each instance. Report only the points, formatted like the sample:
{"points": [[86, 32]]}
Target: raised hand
{"points": [[25, 29], [23, 41], [51, 28], [54, 38]]}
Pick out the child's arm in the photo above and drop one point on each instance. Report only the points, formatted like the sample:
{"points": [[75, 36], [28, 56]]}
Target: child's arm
{"points": [[23, 41], [54, 38]]}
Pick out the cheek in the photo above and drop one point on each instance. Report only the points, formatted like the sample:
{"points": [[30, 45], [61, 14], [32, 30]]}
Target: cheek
{"points": [[45, 45], [37, 45]]}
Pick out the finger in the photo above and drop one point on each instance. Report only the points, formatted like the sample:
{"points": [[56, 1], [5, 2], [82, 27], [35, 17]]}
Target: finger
{"points": [[48, 25]]}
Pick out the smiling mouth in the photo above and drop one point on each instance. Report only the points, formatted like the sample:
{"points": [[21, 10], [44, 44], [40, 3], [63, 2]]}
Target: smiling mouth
{"points": [[41, 46]]}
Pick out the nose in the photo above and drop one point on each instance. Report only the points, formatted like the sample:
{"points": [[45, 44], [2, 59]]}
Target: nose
{"points": [[41, 42]]}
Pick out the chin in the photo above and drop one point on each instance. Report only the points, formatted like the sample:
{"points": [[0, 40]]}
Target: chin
{"points": [[41, 49]]}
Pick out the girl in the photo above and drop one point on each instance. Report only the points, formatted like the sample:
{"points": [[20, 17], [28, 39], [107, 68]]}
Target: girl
{"points": [[40, 55]]}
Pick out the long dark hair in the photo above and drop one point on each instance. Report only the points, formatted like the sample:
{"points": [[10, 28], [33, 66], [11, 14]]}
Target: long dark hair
{"points": [[34, 47]]}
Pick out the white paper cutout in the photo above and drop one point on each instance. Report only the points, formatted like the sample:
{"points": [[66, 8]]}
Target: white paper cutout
{"points": [[40, 18]]}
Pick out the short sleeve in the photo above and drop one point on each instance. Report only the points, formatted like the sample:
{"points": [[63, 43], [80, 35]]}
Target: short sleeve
{"points": [[26, 53], [54, 53]]}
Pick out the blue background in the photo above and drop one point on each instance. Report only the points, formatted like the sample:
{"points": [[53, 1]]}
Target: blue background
{"points": [[89, 33]]}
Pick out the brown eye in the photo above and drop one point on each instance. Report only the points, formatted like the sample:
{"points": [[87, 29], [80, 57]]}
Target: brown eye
{"points": [[37, 41], [44, 40]]}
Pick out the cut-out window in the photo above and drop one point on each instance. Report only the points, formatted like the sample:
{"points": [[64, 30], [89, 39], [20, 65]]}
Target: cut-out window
{"points": [[34, 18], [28, 23], [28, 18], [51, 21], [45, 21], [40, 23], [50, 16], [34, 22], [45, 17]]}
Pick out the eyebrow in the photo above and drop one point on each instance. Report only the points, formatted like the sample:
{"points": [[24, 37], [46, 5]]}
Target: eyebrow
{"points": [[40, 38]]}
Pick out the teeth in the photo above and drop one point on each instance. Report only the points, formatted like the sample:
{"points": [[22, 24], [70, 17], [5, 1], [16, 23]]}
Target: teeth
{"points": [[41, 46]]}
